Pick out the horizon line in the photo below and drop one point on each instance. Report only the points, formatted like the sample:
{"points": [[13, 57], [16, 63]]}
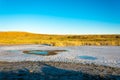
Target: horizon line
{"points": [[65, 33]]}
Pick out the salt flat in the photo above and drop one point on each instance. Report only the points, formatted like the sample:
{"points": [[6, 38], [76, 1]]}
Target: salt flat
{"points": [[104, 55]]}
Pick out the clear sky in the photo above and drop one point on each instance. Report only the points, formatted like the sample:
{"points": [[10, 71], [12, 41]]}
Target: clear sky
{"points": [[61, 16]]}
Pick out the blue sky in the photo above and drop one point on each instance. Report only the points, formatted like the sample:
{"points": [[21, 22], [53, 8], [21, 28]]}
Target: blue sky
{"points": [[61, 16]]}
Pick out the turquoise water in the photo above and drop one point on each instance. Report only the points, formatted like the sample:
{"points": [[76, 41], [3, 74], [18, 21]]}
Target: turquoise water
{"points": [[39, 52], [43, 52], [87, 57]]}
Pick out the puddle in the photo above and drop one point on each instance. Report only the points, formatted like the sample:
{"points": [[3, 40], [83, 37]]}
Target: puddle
{"points": [[43, 52], [87, 57], [38, 52]]}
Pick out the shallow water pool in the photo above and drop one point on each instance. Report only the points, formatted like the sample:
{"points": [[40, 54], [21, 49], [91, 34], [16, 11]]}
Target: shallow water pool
{"points": [[88, 57], [39, 52]]}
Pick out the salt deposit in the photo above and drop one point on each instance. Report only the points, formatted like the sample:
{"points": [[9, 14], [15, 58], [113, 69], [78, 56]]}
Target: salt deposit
{"points": [[105, 55]]}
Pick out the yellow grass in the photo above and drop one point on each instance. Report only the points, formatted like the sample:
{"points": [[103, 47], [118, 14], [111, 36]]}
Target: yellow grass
{"points": [[12, 38]]}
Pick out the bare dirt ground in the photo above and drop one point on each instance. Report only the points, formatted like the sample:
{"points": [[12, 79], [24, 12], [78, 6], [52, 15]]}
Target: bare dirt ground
{"points": [[56, 71]]}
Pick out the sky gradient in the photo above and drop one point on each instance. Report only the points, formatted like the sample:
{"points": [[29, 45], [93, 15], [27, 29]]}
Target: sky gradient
{"points": [[61, 16]]}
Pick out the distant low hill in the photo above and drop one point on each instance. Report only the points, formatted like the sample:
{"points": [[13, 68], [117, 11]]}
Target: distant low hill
{"points": [[13, 38]]}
